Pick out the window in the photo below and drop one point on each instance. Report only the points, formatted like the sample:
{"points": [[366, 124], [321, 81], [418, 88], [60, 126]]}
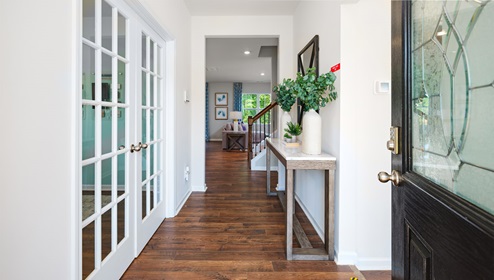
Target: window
{"points": [[252, 103]]}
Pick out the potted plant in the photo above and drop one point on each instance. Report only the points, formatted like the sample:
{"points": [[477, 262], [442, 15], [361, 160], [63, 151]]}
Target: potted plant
{"points": [[292, 131], [285, 97], [314, 93]]}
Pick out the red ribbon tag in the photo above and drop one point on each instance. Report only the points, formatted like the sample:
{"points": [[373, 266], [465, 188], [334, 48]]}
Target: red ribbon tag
{"points": [[335, 68]]}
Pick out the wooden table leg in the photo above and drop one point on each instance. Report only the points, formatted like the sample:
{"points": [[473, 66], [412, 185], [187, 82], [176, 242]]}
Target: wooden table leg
{"points": [[289, 214], [268, 171], [329, 213]]}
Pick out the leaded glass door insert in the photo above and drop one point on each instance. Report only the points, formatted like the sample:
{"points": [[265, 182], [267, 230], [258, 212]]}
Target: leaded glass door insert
{"points": [[453, 97]]}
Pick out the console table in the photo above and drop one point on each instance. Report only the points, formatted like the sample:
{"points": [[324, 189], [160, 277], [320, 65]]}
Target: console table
{"points": [[294, 159]]}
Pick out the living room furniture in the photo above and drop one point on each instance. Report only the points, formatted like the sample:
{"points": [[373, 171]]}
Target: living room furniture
{"points": [[293, 159], [236, 139]]}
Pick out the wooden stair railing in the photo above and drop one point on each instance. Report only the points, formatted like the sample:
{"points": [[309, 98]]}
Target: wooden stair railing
{"points": [[260, 118]]}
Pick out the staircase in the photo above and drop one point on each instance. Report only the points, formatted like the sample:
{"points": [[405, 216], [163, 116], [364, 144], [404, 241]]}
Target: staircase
{"points": [[261, 126]]}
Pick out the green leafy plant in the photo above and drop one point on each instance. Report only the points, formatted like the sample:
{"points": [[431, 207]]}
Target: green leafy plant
{"points": [[287, 136], [285, 96], [293, 129], [315, 92]]}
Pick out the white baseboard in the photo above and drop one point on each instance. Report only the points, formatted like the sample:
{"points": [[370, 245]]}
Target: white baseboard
{"points": [[345, 258], [215, 140], [182, 203], [199, 188], [373, 264]]}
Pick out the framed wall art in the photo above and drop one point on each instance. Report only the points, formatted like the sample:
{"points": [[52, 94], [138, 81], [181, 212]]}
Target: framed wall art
{"points": [[221, 99], [221, 113]]}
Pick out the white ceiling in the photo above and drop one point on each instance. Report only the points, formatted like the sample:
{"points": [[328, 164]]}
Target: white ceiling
{"points": [[226, 61], [241, 7]]}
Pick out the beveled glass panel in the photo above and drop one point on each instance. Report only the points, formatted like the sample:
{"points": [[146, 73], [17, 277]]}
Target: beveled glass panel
{"points": [[151, 195], [144, 126], [453, 93], [106, 180], [152, 90], [88, 129], [158, 189], [106, 25], [158, 156], [144, 88], [143, 50], [122, 35], [106, 233], [106, 77], [106, 130], [121, 174], [144, 200], [88, 71], [88, 19], [121, 127], [481, 41], [122, 69], [159, 68], [144, 153], [121, 221], [88, 250], [151, 55], [151, 160], [151, 124], [159, 92], [88, 191]]}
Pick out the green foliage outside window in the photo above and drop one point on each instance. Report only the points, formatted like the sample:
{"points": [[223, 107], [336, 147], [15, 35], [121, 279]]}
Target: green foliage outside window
{"points": [[253, 103]]}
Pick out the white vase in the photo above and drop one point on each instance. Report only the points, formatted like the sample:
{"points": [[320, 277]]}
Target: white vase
{"points": [[311, 136], [285, 119]]}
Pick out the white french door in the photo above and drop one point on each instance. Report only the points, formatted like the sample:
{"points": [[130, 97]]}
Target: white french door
{"points": [[121, 184], [150, 179]]}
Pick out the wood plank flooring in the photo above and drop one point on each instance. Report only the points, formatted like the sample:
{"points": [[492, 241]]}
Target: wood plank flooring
{"points": [[233, 231]]}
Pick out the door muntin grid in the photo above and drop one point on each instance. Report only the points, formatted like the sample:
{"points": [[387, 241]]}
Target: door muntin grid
{"points": [[453, 92], [151, 110], [105, 132]]}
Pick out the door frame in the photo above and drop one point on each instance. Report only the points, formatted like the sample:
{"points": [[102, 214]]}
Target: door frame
{"points": [[140, 14], [401, 113]]}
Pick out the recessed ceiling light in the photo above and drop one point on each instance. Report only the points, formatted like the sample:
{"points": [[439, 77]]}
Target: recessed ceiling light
{"points": [[247, 52], [262, 74]]}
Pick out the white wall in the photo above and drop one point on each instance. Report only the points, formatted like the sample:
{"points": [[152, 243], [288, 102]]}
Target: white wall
{"points": [[174, 17], [323, 19], [223, 26], [365, 121], [38, 138], [355, 127]]}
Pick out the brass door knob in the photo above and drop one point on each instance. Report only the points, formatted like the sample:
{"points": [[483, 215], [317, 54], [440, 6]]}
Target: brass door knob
{"points": [[395, 177], [134, 148]]}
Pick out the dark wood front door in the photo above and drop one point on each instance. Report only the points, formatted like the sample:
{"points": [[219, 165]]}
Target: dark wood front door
{"points": [[443, 104]]}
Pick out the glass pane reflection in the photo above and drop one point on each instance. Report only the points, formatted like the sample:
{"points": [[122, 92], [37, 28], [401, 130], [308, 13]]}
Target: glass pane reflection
{"points": [[452, 122]]}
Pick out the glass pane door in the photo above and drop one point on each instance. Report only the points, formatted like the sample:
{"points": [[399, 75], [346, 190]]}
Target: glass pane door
{"points": [[150, 109], [105, 201], [453, 94]]}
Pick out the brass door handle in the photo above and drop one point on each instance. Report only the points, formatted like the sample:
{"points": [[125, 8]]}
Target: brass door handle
{"points": [[138, 147], [134, 148], [395, 177]]}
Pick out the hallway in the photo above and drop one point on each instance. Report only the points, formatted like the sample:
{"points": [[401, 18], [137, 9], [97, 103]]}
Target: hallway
{"points": [[233, 231]]}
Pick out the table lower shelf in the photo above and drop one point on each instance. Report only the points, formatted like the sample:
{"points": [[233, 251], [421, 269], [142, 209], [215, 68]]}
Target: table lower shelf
{"points": [[306, 252]]}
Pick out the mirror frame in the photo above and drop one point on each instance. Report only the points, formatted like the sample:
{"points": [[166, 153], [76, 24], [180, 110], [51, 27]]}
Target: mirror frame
{"points": [[314, 62]]}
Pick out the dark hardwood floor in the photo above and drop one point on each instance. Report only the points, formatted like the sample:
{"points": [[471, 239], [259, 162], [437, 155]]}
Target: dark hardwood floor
{"points": [[233, 231]]}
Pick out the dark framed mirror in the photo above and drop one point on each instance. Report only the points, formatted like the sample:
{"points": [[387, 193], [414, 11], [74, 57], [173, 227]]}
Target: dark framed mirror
{"points": [[307, 58]]}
